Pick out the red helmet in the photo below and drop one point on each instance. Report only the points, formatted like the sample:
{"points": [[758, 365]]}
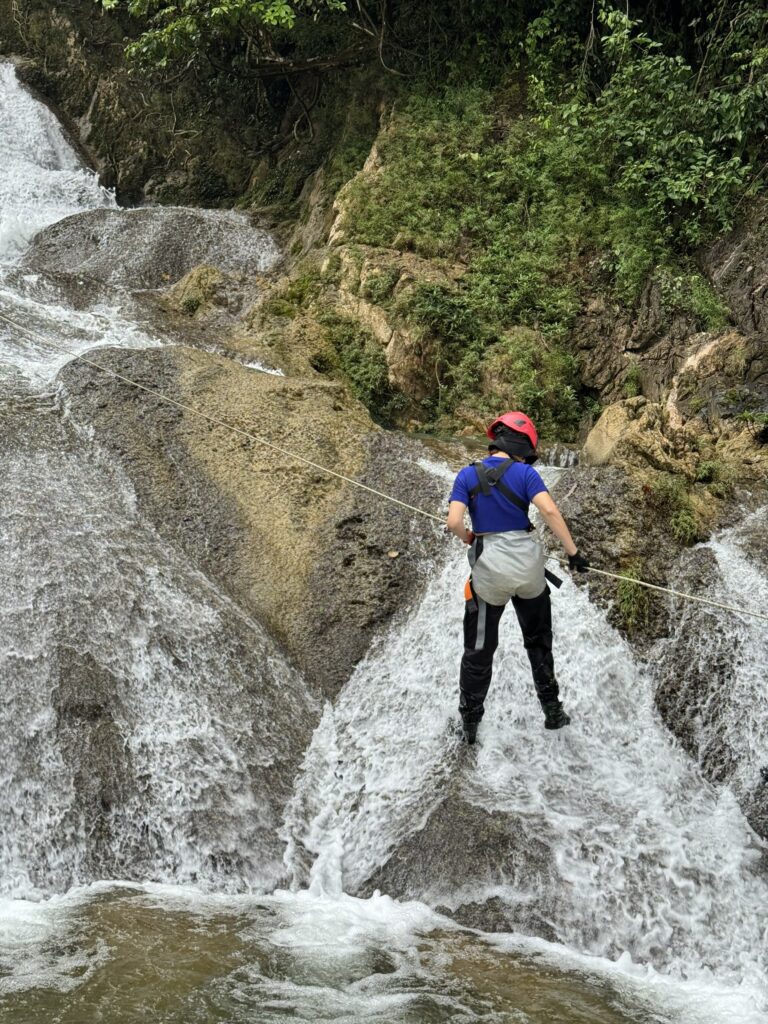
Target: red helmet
{"points": [[517, 421]]}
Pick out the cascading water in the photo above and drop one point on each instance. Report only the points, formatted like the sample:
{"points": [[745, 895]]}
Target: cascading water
{"points": [[641, 856], [42, 180], [112, 647], [726, 658], [141, 741]]}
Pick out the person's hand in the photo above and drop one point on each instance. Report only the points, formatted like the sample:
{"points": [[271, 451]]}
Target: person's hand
{"points": [[577, 562], [469, 538]]}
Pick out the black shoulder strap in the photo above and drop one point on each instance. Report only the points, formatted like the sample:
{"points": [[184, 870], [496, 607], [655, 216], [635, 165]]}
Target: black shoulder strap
{"points": [[489, 478]]}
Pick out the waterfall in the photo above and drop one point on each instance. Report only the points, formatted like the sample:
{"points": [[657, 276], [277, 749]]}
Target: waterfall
{"points": [[150, 727], [718, 701], [153, 733], [642, 855], [42, 179]]}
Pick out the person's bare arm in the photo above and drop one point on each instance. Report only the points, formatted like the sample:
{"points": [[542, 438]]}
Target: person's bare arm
{"points": [[551, 515], [455, 521]]}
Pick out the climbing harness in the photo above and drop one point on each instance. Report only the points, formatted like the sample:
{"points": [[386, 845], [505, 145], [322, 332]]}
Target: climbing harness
{"points": [[340, 476], [494, 477]]}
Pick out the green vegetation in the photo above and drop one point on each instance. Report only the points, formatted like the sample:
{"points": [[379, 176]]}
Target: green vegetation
{"points": [[707, 471], [356, 355], [757, 423], [717, 476], [545, 187], [683, 526], [633, 382], [549, 150], [378, 286], [633, 601], [192, 29], [670, 498], [691, 295], [297, 294]]}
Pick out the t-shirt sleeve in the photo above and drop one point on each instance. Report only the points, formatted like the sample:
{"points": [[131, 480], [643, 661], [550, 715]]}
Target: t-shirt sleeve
{"points": [[533, 483], [460, 491]]}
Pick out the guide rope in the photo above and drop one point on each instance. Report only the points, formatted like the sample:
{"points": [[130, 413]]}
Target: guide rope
{"points": [[341, 476]]}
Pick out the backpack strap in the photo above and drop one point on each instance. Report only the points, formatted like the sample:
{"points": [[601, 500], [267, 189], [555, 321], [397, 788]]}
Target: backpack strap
{"points": [[488, 478]]}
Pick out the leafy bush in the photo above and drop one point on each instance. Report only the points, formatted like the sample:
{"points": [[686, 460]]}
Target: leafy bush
{"points": [[683, 526], [618, 172], [691, 294], [707, 471], [669, 496], [298, 293], [717, 476], [359, 359], [378, 286], [478, 369]]}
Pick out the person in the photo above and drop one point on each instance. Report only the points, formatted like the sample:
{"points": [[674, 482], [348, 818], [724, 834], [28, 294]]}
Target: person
{"points": [[507, 563]]}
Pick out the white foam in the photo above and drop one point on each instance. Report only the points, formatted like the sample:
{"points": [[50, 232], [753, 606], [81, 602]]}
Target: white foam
{"points": [[645, 857], [42, 179], [332, 944], [254, 364], [34, 953]]}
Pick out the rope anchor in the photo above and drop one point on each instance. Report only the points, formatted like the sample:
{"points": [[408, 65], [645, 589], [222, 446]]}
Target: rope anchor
{"points": [[350, 480]]}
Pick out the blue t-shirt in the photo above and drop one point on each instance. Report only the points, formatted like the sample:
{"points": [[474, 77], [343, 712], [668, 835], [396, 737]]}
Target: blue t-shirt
{"points": [[493, 513]]}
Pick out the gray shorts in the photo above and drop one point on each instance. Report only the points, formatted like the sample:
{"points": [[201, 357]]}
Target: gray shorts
{"points": [[509, 565]]}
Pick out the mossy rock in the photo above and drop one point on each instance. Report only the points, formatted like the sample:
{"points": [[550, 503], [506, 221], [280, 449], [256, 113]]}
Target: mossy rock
{"points": [[197, 291]]}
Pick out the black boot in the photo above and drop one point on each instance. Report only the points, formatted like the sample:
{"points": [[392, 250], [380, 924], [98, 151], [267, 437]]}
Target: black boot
{"points": [[554, 715], [470, 731]]}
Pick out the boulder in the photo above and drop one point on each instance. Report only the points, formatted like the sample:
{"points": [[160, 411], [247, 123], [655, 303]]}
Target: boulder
{"points": [[631, 432], [150, 248], [459, 859]]}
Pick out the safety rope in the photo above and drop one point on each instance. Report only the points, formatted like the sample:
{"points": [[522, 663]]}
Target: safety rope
{"points": [[669, 590], [219, 422], [340, 476]]}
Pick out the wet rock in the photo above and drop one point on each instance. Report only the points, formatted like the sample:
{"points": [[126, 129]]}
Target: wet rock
{"points": [[752, 537], [149, 248], [756, 806], [459, 860], [738, 267], [617, 525], [145, 140], [86, 701], [706, 694], [304, 552], [687, 695]]}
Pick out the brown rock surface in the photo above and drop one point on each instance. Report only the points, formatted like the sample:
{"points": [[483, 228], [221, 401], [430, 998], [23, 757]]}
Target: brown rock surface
{"points": [[303, 552]]}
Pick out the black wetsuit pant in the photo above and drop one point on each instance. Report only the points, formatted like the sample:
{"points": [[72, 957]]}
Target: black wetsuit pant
{"points": [[481, 638]]}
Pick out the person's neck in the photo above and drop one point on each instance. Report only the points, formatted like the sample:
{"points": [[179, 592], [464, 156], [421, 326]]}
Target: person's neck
{"points": [[503, 455]]}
